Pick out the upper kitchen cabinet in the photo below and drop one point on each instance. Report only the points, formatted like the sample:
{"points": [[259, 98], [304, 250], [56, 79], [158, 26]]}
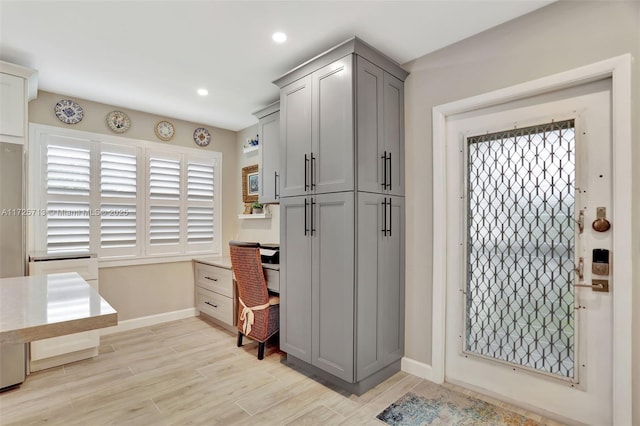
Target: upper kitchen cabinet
{"points": [[380, 131], [18, 85], [347, 100], [269, 136]]}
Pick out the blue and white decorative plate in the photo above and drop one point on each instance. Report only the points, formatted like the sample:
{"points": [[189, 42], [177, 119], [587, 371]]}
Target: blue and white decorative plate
{"points": [[69, 112], [201, 136]]}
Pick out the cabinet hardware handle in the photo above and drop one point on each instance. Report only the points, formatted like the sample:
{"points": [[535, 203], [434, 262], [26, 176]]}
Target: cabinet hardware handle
{"points": [[313, 229], [384, 217], [211, 304], [306, 184], [390, 210], [390, 174], [212, 279], [306, 229], [384, 170], [313, 175], [275, 184]]}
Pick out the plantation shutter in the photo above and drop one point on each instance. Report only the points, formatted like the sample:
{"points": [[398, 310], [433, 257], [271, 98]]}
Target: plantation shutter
{"points": [[68, 186], [118, 200], [200, 196], [164, 203]]}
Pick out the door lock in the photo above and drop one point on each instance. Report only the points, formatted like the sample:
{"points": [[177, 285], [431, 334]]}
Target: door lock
{"points": [[600, 262], [601, 224]]}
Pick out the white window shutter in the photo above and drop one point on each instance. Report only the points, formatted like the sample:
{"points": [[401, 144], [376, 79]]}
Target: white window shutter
{"points": [[118, 201], [164, 220], [200, 211], [68, 182]]}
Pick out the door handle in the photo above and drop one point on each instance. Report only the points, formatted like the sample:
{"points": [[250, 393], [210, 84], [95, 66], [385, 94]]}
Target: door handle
{"points": [[275, 184], [384, 170], [313, 229], [306, 184], [384, 217], [313, 175], [305, 217], [390, 211], [390, 174], [598, 285]]}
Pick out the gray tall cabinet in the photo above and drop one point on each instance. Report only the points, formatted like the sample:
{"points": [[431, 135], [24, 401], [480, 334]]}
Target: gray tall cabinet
{"points": [[342, 215]]}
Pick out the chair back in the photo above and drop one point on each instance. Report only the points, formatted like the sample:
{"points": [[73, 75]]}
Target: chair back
{"points": [[247, 267]]}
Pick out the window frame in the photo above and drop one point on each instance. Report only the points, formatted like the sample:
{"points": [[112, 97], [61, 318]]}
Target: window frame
{"points": [[37, 194]]}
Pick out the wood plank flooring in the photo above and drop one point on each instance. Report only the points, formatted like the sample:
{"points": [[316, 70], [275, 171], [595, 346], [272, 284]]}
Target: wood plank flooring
{"points": [[190, 372]]}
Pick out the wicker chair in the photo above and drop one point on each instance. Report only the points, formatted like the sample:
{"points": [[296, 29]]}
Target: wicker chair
{"points": [[258, 312]]}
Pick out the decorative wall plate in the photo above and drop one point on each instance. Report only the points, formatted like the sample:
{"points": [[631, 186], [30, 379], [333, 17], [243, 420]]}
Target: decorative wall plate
{"points": [[165, 130], [69, 112], [201, 136], [118, 121]]}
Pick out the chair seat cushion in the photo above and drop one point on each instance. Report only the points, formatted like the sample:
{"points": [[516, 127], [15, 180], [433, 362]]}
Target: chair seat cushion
{"points": [[274, 300]]}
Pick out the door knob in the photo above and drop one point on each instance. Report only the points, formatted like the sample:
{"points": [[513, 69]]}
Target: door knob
{"points": [[601, 224]]}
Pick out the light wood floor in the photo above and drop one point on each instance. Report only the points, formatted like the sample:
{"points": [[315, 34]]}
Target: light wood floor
{"points": [[190, 372]]}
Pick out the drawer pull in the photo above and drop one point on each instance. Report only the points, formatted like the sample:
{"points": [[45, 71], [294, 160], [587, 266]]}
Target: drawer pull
{"points": [[212, 279], [211, 304]]}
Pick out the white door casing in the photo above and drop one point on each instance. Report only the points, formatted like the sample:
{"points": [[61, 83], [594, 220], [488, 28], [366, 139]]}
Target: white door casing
{"points": [[619, 69]]}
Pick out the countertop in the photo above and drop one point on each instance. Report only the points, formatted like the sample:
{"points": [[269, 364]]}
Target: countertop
{"points": [[42, 306], [225, 262]]}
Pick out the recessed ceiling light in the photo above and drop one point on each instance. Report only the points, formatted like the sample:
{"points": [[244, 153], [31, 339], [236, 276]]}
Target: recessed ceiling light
{"points": [[203, 92], [279, 37]]}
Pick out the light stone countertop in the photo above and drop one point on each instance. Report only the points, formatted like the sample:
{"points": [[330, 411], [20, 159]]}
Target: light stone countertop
{"points": [[42, 306]]}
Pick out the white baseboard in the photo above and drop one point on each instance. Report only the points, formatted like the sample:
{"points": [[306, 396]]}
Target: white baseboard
{"points": [[417, 368], [134, 323]]}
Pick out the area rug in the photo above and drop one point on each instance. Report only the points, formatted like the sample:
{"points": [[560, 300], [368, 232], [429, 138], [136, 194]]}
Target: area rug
{"points": [[451, 408]]}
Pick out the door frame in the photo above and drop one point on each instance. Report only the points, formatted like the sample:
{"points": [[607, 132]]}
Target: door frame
{"points": [[619, 70]]}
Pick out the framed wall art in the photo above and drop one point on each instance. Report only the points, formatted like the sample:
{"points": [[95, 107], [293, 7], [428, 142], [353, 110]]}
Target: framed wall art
{"points": [[250, 184]]}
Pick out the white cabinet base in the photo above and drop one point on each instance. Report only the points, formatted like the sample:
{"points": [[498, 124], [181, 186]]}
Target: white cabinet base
{"points": [[61, 350]]}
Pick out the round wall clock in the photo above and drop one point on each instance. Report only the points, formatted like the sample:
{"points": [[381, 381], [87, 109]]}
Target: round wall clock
{"points": [[118, 121], [201, 136], [69, 112], [165, 130]]}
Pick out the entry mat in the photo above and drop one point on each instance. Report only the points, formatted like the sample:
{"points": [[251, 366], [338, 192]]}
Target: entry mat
{"points": [[449, 408]]}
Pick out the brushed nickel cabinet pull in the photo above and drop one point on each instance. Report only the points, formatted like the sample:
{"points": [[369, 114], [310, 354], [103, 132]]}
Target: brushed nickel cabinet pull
{"points": [[211, 279]]}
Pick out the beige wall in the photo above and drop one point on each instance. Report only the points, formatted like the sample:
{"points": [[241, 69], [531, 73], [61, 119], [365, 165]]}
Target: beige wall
{"points": [[556, 38], [260, 230], [138, 291]]}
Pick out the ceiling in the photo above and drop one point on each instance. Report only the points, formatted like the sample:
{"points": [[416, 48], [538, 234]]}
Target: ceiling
{"points": [[152, 56]]}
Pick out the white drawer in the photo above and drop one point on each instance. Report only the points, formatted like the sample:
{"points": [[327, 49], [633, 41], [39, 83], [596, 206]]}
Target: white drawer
{"points": [[214, 278], [87, 268], [215, 305]]}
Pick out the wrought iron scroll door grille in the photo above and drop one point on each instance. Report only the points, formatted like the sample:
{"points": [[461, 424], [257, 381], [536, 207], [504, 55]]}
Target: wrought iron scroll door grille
{"points": [[520, 248]]}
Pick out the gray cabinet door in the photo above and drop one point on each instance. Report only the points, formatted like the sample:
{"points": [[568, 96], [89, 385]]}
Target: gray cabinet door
{"points": [[269, 131], [391, 278], [369, 98], [295, 278], [333, 284], [369, 348], [394, 132], [332, 146], [380, 285], [295, 134]]}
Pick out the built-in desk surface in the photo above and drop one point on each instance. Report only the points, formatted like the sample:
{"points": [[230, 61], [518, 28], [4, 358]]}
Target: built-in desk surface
{"points": [[225, 262], [42, 306]]}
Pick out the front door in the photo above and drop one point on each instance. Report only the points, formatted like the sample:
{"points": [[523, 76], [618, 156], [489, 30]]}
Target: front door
{"points": [[529, 179]]}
